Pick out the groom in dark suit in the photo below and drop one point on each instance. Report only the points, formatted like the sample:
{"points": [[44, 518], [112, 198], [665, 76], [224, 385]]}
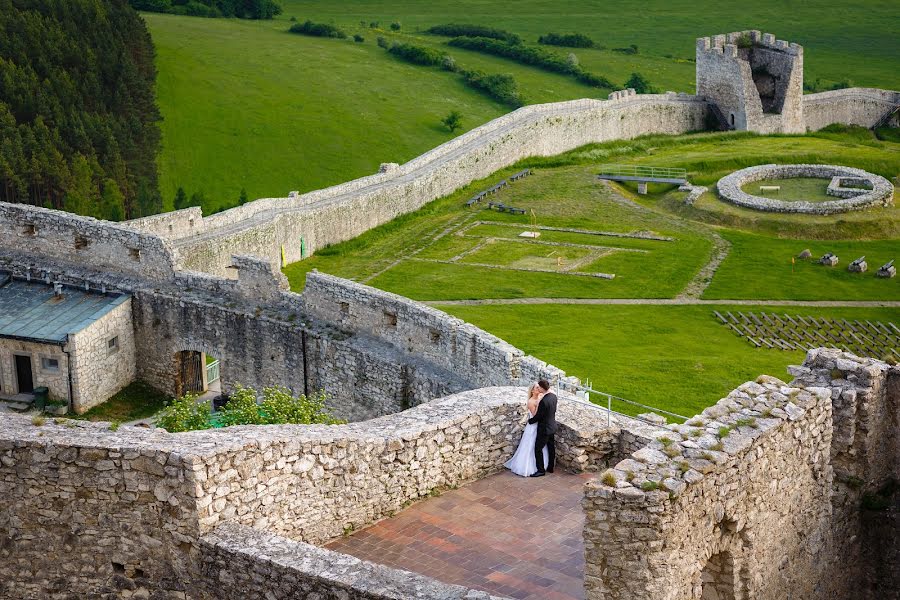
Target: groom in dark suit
{"points": [[545, 417]]}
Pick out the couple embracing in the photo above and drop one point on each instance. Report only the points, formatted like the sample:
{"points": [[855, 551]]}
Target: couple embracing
{"points": [[536, 448]]}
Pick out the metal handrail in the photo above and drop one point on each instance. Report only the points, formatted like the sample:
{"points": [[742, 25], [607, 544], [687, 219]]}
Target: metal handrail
{"points": [[212, 372], [560, 385], [643, 171]]}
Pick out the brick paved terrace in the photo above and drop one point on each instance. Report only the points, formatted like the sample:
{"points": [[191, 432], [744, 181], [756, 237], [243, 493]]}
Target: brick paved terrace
{"points": [[507, 535]]}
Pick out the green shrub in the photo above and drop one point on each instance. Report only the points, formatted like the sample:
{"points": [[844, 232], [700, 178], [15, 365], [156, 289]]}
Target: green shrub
{"points": [[569, 40], [744, 41], [609, 479], [318, 30], [419, 55], [395, 26], [464, 30], [382, 42], [358, 38], [501, 87], [280, 407], [649, 486], [184, 414], [632, 49], [452, 121], [640, 84]]}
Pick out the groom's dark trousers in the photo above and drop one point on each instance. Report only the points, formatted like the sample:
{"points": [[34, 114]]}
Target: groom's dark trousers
{"points": [[545, 417]]}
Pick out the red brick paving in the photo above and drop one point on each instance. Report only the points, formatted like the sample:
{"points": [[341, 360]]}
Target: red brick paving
{"points": [[507, 535]]}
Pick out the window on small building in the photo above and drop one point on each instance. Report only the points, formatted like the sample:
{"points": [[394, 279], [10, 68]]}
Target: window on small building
{"points": [[112, 345], [50, 364], [390, 319]]}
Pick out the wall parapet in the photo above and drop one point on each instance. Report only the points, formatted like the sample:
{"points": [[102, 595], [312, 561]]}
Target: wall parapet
{"points": [[237, 558], [442, 339], [156, 494]]}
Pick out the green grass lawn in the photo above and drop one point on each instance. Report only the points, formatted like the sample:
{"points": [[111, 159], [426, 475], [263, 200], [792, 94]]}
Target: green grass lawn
{"points": [[675, 357], [679, 358], [136, 401], [247, 105], [760, 268], [809, 189]]}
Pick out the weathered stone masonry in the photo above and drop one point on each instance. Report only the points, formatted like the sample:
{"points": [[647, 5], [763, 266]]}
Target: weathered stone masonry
{"points": [[90, 512], [769, 510]]}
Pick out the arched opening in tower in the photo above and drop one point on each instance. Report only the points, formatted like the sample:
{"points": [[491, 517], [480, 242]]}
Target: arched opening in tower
{"points": [[718, 578], [767, 88]]}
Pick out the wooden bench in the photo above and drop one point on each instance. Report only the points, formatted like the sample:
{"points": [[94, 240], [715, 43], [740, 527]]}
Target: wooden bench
{"points": [[770, 188], [520, 175]]}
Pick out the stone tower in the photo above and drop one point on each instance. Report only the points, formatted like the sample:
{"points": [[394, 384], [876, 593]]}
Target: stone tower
{"points": [[755, 81]]}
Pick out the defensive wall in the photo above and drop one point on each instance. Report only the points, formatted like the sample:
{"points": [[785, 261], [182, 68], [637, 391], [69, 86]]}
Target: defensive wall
{"points": [[91, 512], [373, 352], [345, 211], [757, 497], [770, 510]]}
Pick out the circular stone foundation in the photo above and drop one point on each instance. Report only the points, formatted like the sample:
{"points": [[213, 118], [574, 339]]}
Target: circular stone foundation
{"points": [[844, 185]]}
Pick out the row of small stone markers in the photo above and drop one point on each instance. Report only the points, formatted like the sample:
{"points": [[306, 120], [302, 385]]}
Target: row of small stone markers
{"points": [[859, 265]]}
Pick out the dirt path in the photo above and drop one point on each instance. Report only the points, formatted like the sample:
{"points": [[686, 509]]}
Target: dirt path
{"points": [[701, 281]]}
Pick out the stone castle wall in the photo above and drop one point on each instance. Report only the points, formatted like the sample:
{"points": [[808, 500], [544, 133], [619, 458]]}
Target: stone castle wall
{"points": [[345, 211], [865, 107], [92, 512], [83, 243], [757, 497]]}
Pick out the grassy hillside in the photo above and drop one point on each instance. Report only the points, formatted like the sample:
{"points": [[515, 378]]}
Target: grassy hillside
{"points": [[248, 105]]}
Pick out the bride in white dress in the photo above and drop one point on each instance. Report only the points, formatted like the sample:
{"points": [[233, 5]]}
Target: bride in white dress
{"points": [[522, 462]]}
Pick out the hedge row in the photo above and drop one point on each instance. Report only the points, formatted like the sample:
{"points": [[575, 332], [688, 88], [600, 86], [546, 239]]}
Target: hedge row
{"points": [[458, 30], [569, 40], [502, 88], [531, 55], [317, 29]]}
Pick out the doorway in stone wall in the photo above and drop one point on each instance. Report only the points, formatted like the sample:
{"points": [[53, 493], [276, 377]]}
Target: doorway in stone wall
{"points": [[718, 578], [24, 376], [197, 373]]}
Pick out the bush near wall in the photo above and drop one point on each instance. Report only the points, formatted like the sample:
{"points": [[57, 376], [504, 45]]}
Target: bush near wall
{"points": [[462, 30], [242, 9], [569, 40], [318, 30]]}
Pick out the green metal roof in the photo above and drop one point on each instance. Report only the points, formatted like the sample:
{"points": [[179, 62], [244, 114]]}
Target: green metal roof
{"points": [[30, 310]]}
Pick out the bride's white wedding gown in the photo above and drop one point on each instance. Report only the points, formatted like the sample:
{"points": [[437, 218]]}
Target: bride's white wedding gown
{"points": [[522, 462]]}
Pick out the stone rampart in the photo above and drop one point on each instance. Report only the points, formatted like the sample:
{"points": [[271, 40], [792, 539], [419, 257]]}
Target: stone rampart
{"points": [[865, 107], [237, 560], [310, 221], [171, 225], [746, 513], [91, 512], [729, 188], [84, 243], [443, 340], [757, 497]]}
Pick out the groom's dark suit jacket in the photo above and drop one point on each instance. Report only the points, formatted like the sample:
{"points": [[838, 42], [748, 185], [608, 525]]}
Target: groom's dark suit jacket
{"points": [[545, 417]]}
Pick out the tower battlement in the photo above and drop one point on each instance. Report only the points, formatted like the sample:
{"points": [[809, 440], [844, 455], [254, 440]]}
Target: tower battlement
{"points": [[755, 79]]}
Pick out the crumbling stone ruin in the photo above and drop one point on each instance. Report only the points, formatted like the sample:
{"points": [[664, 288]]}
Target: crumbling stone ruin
{"points": [[878, 191], [760, 496], [91, 512], [755, 81]]}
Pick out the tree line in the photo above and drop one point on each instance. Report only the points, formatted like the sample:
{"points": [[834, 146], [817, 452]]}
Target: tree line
{"points": [[242, 9], [79, 124]]}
